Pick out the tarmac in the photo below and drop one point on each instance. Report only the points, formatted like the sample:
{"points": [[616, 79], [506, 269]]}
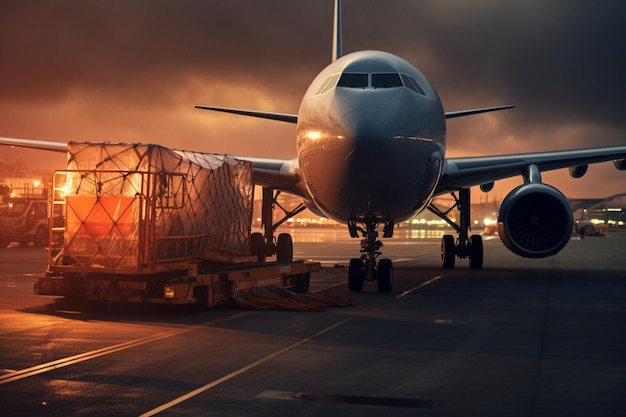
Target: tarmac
{"points": [[519, 338]]}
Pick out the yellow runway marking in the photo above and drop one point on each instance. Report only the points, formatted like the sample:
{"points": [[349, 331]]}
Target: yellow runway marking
{"points": [[244, 369], [82, 357], [271, 356], [422, 285]]}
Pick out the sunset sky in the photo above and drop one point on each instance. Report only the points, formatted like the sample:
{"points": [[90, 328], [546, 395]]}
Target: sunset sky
{"points": [[131, 71]]}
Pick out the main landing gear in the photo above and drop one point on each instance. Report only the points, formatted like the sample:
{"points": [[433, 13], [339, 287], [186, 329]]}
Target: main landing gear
{"points": [[465, 246], [264, 244], [365, 267]]}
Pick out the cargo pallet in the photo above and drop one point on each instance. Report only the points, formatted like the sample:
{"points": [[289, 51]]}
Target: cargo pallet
{"points": [[144, 223]]}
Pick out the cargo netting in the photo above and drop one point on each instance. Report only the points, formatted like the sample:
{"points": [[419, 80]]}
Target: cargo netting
{"points": [[132, 206]]}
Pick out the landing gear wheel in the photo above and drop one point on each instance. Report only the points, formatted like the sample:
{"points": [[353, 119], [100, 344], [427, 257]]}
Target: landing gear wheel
{"points": [[355, 275], [476, 252], [284, 248], [448, 254], [385, 275], [257, 246]]}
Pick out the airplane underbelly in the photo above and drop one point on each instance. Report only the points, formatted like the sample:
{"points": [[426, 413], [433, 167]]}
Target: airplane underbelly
{"points": [[394, 178]]}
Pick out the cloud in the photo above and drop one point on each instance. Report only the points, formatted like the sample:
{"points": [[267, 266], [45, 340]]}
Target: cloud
{"points": [[132, 70]]}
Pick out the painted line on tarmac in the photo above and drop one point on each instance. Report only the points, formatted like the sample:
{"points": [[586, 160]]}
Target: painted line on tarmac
{"points": [[245, 369], [422, 285], [82, 357], [271, 356], [13, 375], [404, 259], [329, 287]]}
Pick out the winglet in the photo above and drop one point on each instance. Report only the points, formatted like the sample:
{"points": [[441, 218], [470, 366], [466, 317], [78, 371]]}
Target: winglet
{"points": [[337, 36]]}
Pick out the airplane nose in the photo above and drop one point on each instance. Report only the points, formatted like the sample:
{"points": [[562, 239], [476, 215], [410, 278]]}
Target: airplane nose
{"points": [[366, 123]]}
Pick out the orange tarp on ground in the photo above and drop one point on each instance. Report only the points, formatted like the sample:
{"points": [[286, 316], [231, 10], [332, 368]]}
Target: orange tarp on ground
{"points": [[277, 298]]}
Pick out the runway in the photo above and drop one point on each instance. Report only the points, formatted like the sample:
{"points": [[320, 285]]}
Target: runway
{"points": [[519, 338]]}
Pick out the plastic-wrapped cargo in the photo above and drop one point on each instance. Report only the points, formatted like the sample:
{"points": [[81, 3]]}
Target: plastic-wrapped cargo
{"points": [[140, 206]]}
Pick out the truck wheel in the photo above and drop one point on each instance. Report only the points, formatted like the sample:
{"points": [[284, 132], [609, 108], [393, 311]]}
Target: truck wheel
{"points": [[302, 287], [41, 237], [201, 294], [74, 290]]}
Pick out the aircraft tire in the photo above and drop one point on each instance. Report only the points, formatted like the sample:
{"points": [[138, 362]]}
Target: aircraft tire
{"points": [[284, 249], [448, 253], [476, 252], [355, 275], [385, 275], [257, 246]]}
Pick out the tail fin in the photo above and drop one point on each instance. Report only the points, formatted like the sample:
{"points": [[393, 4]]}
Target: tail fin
{"points": [[337, 37]]}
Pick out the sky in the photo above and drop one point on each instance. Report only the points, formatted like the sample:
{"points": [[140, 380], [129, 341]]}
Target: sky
{"points": [[132, 70]]}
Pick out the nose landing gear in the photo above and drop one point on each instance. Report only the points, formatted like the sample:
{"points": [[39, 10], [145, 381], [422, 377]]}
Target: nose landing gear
{"points": [[366, 267]]}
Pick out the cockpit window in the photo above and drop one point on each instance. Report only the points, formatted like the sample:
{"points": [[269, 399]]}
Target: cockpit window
{"points": [[379, 80], [329, 83], [353, 80], [412, 84], [387, 80]]}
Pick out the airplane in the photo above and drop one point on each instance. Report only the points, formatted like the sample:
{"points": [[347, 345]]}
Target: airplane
{"points": [[371, 153]]}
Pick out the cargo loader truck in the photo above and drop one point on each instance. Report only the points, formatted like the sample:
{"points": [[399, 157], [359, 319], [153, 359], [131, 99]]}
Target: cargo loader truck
{"points": [[144, 223]]}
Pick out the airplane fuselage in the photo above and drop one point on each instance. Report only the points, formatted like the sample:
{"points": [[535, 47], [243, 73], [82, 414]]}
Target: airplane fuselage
{"points": [[371, 138]]}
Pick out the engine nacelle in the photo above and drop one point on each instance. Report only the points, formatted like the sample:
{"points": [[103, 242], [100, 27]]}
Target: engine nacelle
{"points": [[313, 207], [535, 221]]}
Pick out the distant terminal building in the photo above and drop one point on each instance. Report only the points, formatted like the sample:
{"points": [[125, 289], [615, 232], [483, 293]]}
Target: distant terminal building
{"points": [[601, 216]]}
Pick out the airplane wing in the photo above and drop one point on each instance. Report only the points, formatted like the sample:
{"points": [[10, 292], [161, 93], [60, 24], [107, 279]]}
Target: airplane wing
{"points": [[466, 172], [293, 118], [281, 174], [281, 117], [45, 145], [463, 113]]}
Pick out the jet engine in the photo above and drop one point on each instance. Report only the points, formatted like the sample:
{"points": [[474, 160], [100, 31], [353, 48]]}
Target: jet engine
{"points": [[312, 207], [535, 221]]}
